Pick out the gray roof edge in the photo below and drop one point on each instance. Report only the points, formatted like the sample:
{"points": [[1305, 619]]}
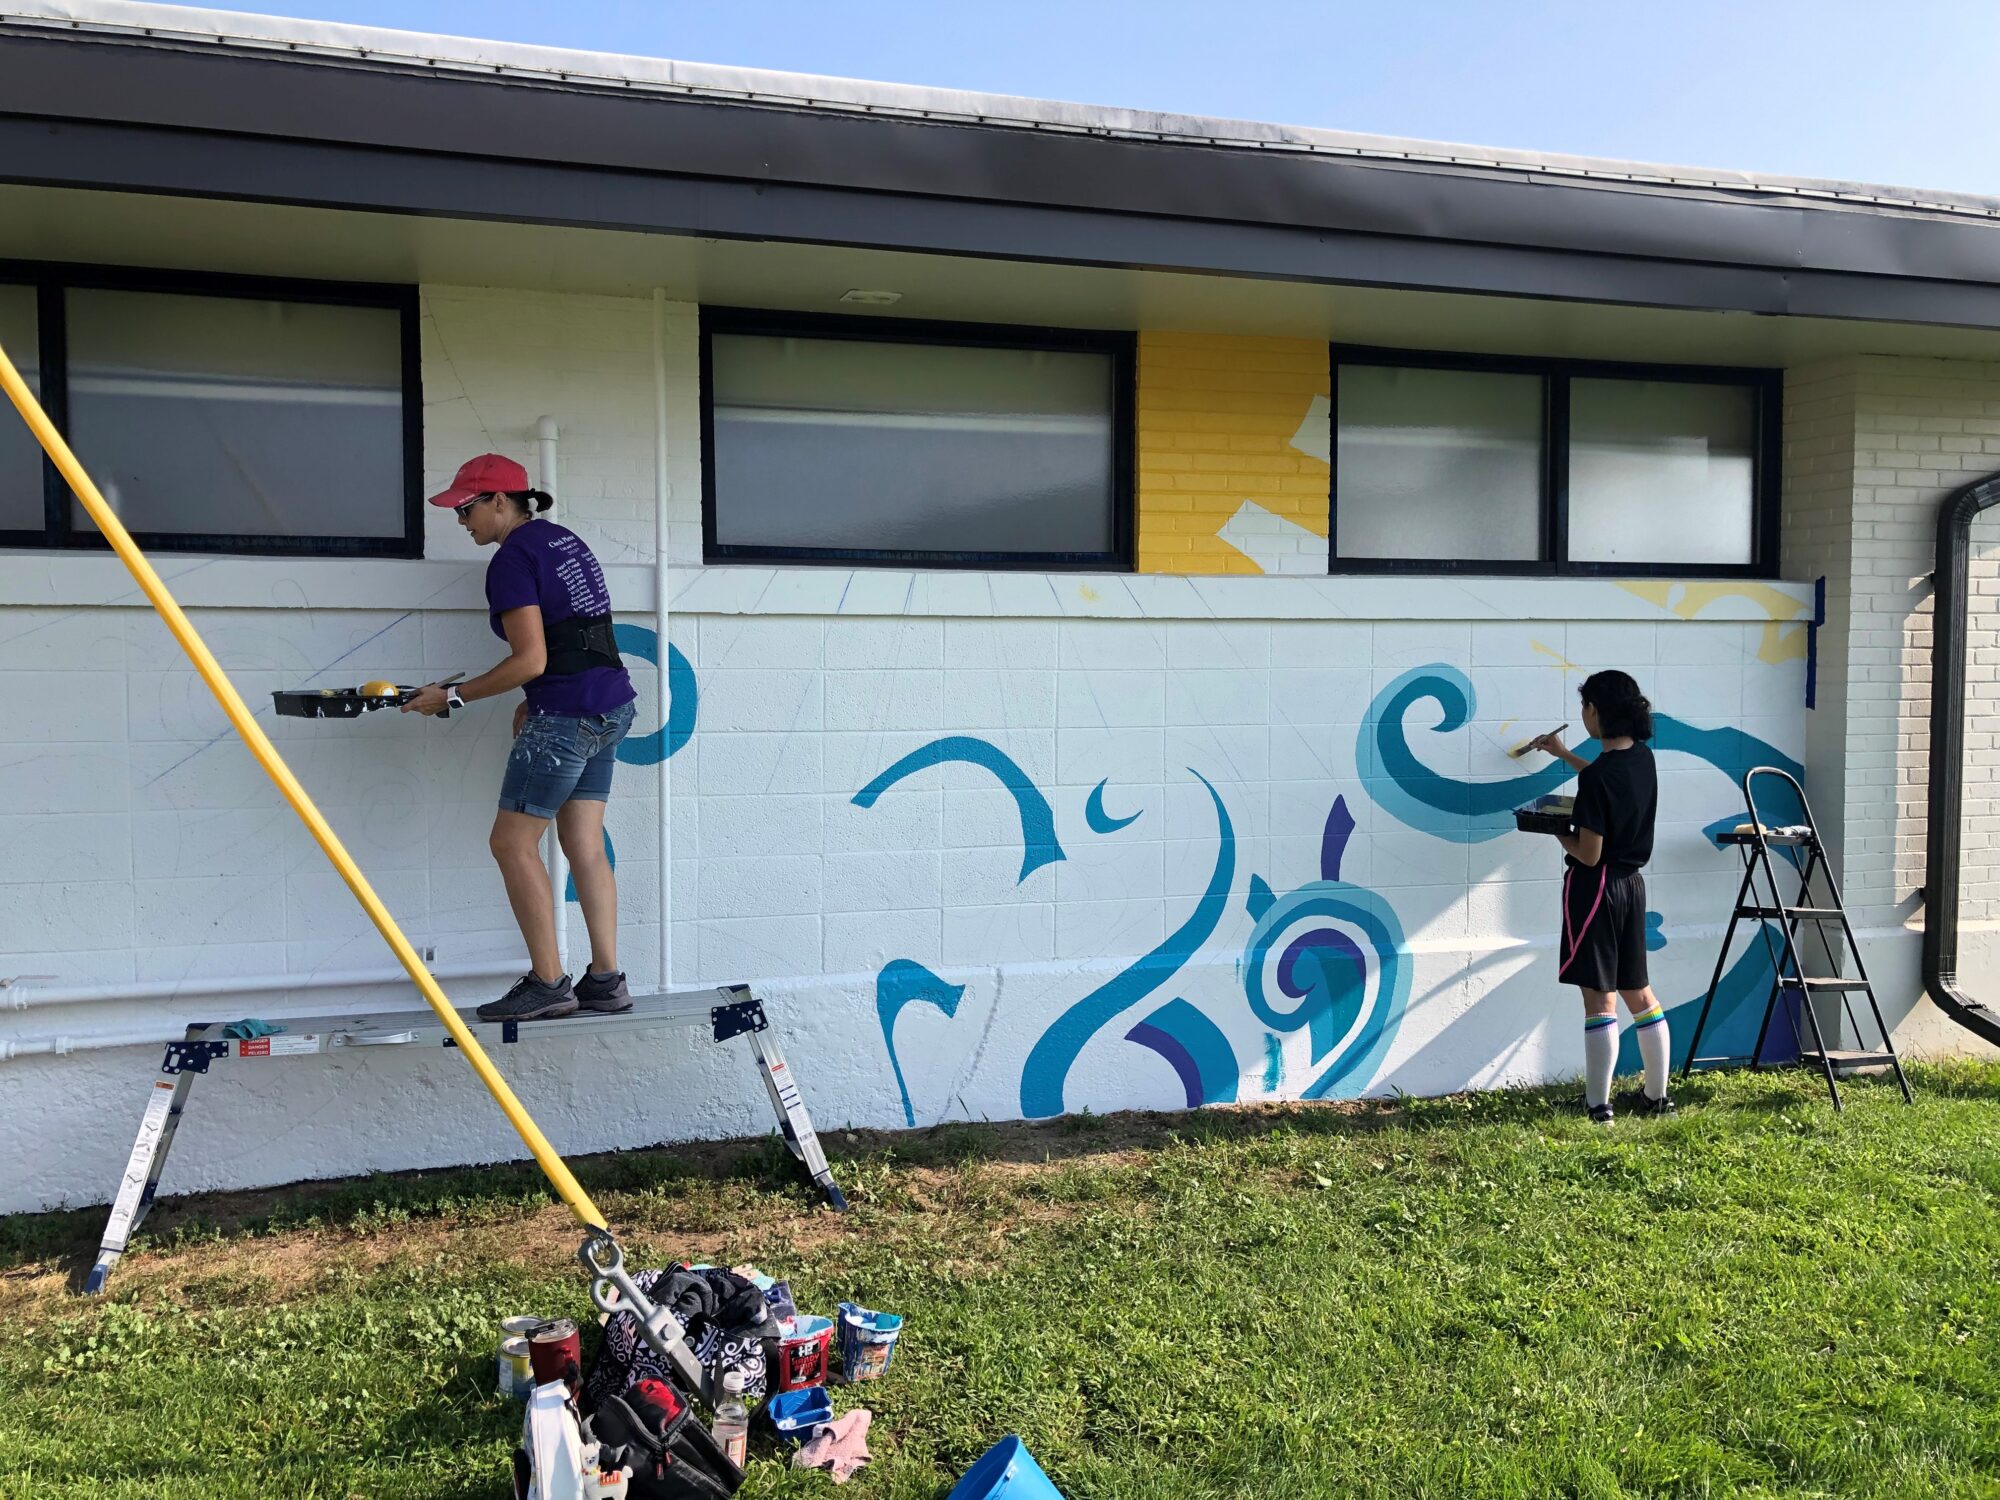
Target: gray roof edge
{"points": [[505, 61]]}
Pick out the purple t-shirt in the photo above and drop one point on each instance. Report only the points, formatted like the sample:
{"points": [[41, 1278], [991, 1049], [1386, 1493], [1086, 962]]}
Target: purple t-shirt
{"points": [[548, 565]]}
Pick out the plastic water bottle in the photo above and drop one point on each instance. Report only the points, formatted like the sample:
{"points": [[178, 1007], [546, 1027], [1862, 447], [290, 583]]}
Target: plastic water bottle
{"points": [[732, 1419]]}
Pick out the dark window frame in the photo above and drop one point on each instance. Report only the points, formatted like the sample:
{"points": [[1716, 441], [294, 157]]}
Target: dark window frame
{"points": [[1122, 347], [51, 279], [1767, 387]]}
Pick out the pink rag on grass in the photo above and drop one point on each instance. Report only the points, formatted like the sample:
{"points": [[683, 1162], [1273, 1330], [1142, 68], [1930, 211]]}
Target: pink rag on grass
{"points": [[840, 1447]]}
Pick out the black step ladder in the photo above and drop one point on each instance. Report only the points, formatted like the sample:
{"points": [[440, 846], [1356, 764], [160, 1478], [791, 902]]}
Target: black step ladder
{"points": [[1789, 980]]}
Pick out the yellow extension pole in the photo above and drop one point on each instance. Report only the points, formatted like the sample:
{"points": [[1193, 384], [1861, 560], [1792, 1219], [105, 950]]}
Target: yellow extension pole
{"points": [[566, 1186]]}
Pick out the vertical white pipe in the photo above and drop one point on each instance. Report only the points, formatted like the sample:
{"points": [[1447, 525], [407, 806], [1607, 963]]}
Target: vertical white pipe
{"points": [[661, 616], [545, 468]]}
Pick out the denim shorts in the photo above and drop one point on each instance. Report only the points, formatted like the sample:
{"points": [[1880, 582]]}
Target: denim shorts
{"points": [[557, 759]]}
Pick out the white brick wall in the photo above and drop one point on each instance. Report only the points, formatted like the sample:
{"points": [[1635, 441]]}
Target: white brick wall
{"points": [[1872, 445], [148, 848]]}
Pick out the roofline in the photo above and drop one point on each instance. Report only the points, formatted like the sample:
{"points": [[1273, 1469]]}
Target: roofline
{"points": [[503, 61], [200, 119]]}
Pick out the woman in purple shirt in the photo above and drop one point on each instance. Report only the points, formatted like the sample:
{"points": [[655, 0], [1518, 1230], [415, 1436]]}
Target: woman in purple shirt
{"points": [[546, 598]]}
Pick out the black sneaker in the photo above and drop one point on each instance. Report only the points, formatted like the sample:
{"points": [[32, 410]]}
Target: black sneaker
{"points": [[605, 993], [1662, 1108], [1602, 1114], [532, 1000]]}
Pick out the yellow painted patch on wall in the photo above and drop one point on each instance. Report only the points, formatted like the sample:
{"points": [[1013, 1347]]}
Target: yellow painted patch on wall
{"points": [[1688, 600], [1224, 420]]}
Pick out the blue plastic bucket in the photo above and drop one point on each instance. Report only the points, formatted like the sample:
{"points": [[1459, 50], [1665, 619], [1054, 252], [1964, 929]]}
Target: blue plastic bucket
{"points": [[1006, 1470], [867, 1342]]}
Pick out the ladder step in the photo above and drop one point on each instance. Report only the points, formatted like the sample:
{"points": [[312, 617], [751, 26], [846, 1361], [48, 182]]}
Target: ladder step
{"points": [[1772, 913], [1832, 985], [1848, 1058]]}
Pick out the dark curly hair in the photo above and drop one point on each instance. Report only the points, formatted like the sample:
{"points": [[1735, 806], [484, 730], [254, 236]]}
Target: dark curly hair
{"points": [[1621, 708]]}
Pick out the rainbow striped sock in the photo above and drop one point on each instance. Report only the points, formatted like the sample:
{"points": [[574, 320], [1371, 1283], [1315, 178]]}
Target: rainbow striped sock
{"points": [[1650, 1028]]}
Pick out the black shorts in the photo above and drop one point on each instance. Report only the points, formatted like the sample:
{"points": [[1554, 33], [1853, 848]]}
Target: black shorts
{"points": [[1603, 943]]}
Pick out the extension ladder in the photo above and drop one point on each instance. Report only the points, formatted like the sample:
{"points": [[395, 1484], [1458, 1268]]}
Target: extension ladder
{"points": [[1754, 841], [726, 1012]]}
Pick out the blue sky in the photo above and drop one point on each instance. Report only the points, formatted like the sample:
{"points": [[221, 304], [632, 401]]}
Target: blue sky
{"points": [[1884, 92]]}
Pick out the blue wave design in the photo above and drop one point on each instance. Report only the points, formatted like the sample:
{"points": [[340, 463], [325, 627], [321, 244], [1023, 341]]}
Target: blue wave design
{"points": [[1732, 1023], [901, 982], [1326, 971], [664, 742], [1470, 812], [1038, 820], [1196, 1048], [1466, 812], [1095, 815], [1048, 1065]]}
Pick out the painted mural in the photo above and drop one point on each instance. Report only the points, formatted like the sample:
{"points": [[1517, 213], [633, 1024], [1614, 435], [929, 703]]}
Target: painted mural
{"points": [[1324, 979]]}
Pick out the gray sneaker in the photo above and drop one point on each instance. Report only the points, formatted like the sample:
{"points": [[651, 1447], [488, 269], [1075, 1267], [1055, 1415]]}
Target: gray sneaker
{"points": [[532, 1000], [607, 993]]}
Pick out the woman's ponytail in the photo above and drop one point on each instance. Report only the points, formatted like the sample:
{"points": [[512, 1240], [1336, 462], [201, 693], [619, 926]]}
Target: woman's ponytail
{"points": [[532, 502], [1622, 710]]}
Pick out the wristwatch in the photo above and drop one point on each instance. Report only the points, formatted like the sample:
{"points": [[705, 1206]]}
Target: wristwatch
{"points": [[452, 700]]}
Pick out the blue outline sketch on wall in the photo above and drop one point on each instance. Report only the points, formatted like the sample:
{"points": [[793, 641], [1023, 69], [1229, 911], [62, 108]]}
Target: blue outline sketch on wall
{"points": [[901, 982], [677, 720], [1056, 1052], [1304, 944], [1194, 1048], [1038, 820]]}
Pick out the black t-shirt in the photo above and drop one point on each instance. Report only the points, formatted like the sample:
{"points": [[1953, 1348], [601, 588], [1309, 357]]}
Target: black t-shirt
{"points": [[1618, 796]]}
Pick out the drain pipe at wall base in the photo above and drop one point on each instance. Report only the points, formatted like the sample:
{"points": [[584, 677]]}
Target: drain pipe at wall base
{"points": [[662, 584], [1952, 601], [545, 469]]}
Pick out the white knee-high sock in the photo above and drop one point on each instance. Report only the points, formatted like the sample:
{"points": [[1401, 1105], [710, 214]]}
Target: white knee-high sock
{"points": [[1654, 1048], [1600, 1056]]}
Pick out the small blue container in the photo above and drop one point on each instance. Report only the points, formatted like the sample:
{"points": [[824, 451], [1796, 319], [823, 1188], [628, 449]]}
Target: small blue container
{"points": [[796, 1415], [1007, 1471], [867, 1342]]}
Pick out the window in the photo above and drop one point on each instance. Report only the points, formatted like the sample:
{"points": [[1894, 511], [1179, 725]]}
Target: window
{"points": [[933, 444], [1457, 463], [21, 502], [220, 415]]}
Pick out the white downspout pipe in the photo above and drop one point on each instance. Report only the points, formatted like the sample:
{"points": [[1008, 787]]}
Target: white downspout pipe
{"points": [[661, 615], [545, 467]]}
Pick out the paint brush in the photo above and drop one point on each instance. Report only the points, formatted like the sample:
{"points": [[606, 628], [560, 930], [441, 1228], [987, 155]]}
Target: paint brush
{"points": [[1522, 749]]}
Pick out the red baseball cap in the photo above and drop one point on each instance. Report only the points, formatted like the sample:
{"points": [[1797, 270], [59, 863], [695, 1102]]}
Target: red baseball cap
{"points": [[488, 474]]}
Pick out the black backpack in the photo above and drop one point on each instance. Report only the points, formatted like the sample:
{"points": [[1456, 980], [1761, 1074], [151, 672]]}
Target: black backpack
{"points": [[654, 1432]]}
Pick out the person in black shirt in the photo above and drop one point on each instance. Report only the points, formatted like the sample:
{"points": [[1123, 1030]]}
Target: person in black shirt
{"points": [[1603, 943]]}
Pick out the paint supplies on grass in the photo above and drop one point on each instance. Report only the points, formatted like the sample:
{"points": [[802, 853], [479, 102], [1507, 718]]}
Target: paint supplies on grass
{"points": [[514, 1374], [867, 1342]]}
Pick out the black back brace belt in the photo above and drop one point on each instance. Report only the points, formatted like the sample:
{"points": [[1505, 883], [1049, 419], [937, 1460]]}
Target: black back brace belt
{"points": [[580, 643]]}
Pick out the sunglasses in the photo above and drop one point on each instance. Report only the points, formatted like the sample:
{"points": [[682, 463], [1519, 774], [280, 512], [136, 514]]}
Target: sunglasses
{"points": [[464, 507]]}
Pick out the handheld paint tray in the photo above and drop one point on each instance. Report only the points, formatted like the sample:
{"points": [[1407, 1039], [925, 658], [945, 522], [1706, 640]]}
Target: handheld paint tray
{"points": [[1546, 815]]}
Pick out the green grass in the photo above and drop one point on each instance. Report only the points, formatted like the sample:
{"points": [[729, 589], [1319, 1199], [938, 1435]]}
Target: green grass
{"points": [[1468, 1296]]}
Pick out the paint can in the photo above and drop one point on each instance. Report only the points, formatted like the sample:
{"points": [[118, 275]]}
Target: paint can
{"points": [[555, 1352], [521, 1325], [867, 1342], [515, 1372], [802, 1354]]}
